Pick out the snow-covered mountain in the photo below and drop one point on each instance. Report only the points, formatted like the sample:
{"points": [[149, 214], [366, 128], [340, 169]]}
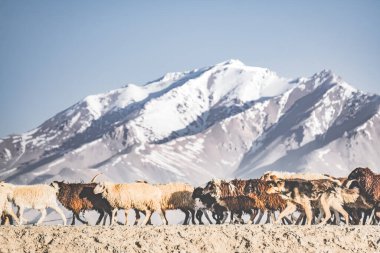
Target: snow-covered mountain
{"points": [[228, 120]]}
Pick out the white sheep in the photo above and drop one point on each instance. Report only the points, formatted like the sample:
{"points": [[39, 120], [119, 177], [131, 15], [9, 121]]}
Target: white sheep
{"points": [[141, 196], [38, 197]]}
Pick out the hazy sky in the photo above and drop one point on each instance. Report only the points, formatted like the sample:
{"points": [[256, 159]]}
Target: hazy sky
{"points": [[53, 53]]}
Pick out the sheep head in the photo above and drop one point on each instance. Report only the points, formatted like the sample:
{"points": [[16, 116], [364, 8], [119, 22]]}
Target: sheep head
{"points": [[197, 193], [251, 187], [213, 188], [275, 186], [266, 175], [364, 176], [359, 173], [100, 188]]}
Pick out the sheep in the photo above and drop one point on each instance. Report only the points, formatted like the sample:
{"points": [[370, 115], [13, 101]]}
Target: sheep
{"points": [[6, 210], [177, 196], [207, 202], [272, 202], [223, 189], [202, 203], [361, 205], [140, 196], [264, 201], [269, 175], [368, 182], [38, 197], [79, 197], [238, 205]]}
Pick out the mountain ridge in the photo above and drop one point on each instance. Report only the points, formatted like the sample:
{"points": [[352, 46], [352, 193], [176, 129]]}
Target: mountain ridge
{"points": [[225, 120]]}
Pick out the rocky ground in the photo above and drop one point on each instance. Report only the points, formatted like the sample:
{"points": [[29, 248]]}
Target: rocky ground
{"points": [[177, 238]]}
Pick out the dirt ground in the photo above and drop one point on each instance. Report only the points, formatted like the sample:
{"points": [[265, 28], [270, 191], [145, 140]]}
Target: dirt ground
{"points": [[178, 238]]}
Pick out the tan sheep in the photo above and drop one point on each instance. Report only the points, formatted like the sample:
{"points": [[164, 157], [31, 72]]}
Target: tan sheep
{"points": [[141, 196], [177, 196], [270, 175]]}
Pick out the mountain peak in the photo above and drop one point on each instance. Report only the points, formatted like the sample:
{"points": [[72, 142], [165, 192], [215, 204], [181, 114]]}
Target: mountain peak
{"points": [[235, 62]]}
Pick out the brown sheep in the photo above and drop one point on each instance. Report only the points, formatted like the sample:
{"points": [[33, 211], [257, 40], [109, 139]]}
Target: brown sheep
{"points": [[79, 197], [235, 188], [273, 202], [368, 182]]}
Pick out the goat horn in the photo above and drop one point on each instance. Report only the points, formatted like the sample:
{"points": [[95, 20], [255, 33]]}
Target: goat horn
{"points": [[93, 179]]}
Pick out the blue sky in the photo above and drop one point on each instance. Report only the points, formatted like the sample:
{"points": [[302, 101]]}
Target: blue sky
{"points": [[54, 53]]}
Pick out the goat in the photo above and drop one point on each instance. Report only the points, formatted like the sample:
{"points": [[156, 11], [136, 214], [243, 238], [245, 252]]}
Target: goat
{"points": [[38, 197]]}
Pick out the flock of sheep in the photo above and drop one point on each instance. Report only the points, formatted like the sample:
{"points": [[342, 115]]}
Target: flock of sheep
{"points": [[356, 198]]}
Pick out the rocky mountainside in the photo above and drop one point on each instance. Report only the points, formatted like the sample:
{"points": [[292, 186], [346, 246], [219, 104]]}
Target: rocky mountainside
{"points": [[228, 120]]}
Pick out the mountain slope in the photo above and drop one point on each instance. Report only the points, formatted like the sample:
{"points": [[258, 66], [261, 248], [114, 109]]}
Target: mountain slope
{"points": [[227, 120]]}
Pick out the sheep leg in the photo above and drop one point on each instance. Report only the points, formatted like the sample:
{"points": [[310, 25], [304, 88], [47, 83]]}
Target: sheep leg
{"points": [[73, 219], [273, 216], [101, 215], [59, 211], [148, 214], [109, 213], [308, 211], [371, 217], [206, 215], [293, 218], [20, 213], [199, 215], [9, 210], [225, 215], [255, 212], [337, 217], [78, 218], [192, 216], [138, 216], [269, 213], [320, 216], [251, 216], [126, 216], [163, 216], [113, 216], [287, 220], [43, 215], [355, 217], [186, 221], [239, 219], [216, 217], [289, 209], [340, 209], [300, 218], [260, 217]]}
